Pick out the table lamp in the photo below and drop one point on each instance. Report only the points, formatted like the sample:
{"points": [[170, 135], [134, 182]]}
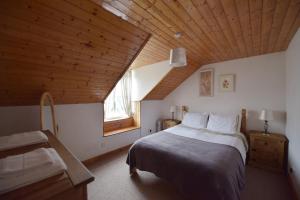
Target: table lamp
{"points": [[266, 115], [173, 110]]}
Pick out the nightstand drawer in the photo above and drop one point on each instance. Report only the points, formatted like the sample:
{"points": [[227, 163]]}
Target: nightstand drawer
{"points": [[267, 151]]}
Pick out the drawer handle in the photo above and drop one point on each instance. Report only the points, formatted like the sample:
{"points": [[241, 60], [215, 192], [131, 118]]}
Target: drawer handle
{"points": [[253, 149], [266, 143]]}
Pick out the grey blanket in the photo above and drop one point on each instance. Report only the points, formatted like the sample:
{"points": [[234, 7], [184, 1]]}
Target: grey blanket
{"points": [[199, 170]]}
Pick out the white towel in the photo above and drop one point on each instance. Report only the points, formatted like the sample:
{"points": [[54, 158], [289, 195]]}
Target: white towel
{"points": [[14, 165], [34, 174], [22, 139]]}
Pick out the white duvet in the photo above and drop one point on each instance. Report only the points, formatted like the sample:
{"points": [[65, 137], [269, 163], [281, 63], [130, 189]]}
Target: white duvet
{"points": [[237, 140]]}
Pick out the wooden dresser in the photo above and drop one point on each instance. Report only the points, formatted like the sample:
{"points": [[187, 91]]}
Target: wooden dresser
{"points": [[168, 123], [268, 151], [71, 184]]}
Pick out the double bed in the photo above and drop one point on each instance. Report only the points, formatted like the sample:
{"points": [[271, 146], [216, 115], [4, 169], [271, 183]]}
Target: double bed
{"points": [[199, 162]]}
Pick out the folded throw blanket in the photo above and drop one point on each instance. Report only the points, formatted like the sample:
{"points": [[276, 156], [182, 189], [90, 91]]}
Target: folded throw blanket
{"points": [[25, 169], [23, 163], [22, 139]]}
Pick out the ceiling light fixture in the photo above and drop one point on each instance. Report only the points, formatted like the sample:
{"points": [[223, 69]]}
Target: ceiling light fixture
{"points": [[177, 35], [178, 57]]}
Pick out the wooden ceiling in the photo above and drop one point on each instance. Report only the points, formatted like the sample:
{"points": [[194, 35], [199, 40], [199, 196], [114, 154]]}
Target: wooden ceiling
{"points": [[74, 49], [212, 31], [78, 51]]}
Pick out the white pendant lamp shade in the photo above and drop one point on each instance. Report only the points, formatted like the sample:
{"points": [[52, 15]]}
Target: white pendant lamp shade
{"points": [[178, 57]]}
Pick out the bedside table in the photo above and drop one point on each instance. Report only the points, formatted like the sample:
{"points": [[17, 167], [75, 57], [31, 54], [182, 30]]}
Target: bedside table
{"points": [[268, 151], [168, 123]]}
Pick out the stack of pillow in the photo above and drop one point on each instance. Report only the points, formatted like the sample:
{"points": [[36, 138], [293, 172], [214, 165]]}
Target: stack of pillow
{"points": [[223, 123]]}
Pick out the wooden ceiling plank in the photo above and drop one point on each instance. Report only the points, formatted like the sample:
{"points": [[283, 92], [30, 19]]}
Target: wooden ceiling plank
{"points": [[267, 21], [245, 22], [205, 19], [207, 43], [230, 10], [43, 15], [256, 23], [25, 27], [74, 47], [57, 53], [161, 30], [278, 18], [219, 13], [84, 9], [159, 22], [292, 32], [164, 11], [40, 57], [290, 17]]}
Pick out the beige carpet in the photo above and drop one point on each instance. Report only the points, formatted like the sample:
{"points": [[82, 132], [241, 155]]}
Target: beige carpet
{"points": [[114, 183]]}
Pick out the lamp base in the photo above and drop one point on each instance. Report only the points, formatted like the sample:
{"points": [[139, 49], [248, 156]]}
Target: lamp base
{"points": [[266, 127]]}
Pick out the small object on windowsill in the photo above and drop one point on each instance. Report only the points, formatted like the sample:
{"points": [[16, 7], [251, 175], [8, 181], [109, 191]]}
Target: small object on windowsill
{"points": [[168, 123], [268, 151], [266, 116]]}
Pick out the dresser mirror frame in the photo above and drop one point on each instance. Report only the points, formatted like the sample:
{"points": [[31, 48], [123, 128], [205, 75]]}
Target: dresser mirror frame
{"points": [[47, 100]]}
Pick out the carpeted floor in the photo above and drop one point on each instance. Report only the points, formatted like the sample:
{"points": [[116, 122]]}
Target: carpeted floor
{"points": [[112, 182]]}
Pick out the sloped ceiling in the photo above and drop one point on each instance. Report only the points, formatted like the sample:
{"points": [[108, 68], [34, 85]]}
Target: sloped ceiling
{"points": [[74, 49], [212, 31]]}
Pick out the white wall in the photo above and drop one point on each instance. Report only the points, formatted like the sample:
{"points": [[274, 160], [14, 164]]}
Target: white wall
{"points": [[151, 111], [147, 77], [260, 83], [293, 106], [18, 119], [80, 126]]}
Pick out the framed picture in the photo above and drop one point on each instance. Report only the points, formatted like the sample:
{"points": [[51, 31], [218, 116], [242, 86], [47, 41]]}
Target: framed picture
{"points": [[207, 83], [227, 83]]}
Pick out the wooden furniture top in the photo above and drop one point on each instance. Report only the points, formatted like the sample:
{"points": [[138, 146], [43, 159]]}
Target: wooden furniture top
{"points": [[76, 175], [261, 134], [77, 172]]}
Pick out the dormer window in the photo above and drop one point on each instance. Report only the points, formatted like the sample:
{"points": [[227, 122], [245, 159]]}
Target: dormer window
{"points": [[118, 105], [121, 114]]}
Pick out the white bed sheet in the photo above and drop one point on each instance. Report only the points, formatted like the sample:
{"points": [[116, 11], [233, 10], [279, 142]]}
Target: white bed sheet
{"points": [[237, 140]]}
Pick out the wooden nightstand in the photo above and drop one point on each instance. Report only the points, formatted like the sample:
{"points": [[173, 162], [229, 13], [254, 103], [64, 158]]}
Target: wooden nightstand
{"points": [[268, 151], [168, 123]]}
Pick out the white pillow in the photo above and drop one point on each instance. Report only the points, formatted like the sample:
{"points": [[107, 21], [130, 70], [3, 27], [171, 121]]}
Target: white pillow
{"points": [[195, 120], [223, 123]]}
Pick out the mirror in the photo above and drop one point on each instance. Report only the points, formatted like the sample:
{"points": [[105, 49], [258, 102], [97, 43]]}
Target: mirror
{"points": [[47, 113]]}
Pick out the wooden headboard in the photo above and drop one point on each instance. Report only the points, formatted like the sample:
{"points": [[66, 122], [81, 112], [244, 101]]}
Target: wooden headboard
{"points": [[244, 122]]}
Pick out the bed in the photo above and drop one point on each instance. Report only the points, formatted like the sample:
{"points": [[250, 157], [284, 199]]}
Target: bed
{"points": [[199, 162]]}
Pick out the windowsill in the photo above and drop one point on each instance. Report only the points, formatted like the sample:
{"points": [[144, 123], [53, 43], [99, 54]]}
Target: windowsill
{"points": [[122, 130], [115, 119]]}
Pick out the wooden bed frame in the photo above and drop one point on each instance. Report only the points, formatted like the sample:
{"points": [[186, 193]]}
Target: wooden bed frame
{"points": [[71, 184], [244, 123]]}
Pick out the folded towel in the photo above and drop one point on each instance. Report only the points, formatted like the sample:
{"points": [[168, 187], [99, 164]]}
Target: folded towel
{"points": [[13, 165], [22, 139], [37, 173]]}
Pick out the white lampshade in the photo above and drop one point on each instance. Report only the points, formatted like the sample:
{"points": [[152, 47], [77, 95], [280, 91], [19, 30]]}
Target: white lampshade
{"points": [[266, 115], [173, 109], [178, 57]]}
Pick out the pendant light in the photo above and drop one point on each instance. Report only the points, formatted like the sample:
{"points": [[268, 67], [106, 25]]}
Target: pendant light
{"points": [[178, 57]]}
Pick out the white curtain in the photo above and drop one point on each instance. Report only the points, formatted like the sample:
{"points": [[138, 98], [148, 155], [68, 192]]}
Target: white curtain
{"points": [[118, 104]]}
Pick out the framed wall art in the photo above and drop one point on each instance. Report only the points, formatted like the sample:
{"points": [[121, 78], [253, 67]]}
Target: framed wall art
{"points": [[227, 83], [207, 83]]}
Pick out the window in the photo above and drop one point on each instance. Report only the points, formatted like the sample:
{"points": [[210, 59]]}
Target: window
{"points": [[121, 114], [118, 104]]}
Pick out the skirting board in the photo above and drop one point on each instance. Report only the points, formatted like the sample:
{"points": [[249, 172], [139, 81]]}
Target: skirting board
{"points": [[295, 196], [91, 161]]}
